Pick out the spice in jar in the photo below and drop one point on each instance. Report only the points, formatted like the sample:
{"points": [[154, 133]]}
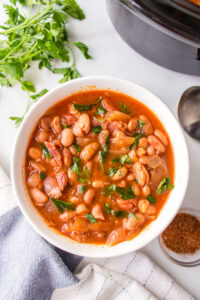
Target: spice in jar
{"points": [[183, 234]]}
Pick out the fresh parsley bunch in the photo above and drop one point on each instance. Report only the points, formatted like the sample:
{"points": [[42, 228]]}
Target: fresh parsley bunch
{"points": [[38, 35]]}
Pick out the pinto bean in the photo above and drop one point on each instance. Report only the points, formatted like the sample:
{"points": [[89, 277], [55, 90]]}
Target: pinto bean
{"points": [[34, 180], [67, 137], [140, 152], [45, 123], [74, 200], [120, 142], [67, 157], [152, 210], [37, 166], [103, 135], [42, 136], [82, 126], [89, 196], [144, 160], [133, 224], [130, 177], [139, 173], [146, 190], [100, 235], [67, 215], [89, 166], [108, 105], [81, 209], [136, 189], [98, 184], [35, 153], [147, 128], [72, 176], [143, 206], [133, 124], [73, 150], [162, 137], [62, 180], [38, 196], [124, 204], [116, 236], [156, 144], [89, 151], [150, 151], [79, 237], [56, 124], [122, 183], [97, 212], [120, 174], [132, 155], [143, 143]]}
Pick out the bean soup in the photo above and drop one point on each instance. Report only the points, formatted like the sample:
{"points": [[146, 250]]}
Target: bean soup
{"points": [[99, 167]]}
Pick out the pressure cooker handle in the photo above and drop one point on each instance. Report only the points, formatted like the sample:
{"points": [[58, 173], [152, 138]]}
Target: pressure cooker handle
{"points": [[168, 28]]}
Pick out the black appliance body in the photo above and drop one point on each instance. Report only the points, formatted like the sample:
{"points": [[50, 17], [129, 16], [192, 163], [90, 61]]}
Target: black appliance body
{"points": [[166, 32]]}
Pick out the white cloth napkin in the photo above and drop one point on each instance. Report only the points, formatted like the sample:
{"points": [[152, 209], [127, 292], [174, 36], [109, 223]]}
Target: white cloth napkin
{"points": [[131, 276]]}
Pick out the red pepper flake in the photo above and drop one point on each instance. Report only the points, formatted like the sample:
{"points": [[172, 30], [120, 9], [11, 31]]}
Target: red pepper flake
{"points": [[183, 234]]}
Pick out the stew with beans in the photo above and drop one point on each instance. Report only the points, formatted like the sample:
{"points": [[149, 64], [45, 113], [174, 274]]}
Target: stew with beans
{"points": [[99, 167]]}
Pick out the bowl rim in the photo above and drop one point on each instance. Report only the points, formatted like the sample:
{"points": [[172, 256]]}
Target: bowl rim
{"points": [[84, 82]]}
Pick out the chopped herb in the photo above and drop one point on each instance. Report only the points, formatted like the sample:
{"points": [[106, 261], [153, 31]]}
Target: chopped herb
{"points": [[87, 172], [120, 173], [151, 199], [141, 124], [42, 175], [91, 218], [164, 185], [86, 107], [109, 190], [81, 180], [82, 107], [124, 108], [108, 209], [82, 188], [125, 193], [97, 129], [62, 205], [120, 213], [100, 111], [104, 153], [137, 137], [112, 171], [136, 180], [99, 120], [122, 159], [65, 125], [76, 167], [130, 215], [77, 147], [46, 152]]}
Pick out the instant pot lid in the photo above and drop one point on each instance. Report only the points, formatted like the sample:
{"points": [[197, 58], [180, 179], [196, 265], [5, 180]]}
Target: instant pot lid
{"points": [[180, 17]]}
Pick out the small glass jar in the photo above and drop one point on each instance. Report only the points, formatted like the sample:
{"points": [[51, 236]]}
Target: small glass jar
{"points": [[186, 260]]}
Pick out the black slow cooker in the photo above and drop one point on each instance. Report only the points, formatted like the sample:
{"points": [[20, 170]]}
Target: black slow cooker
{"points": [[166, 32]]}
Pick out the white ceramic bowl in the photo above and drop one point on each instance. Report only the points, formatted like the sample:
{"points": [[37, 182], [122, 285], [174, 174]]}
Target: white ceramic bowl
{"points": [[181, 165]]}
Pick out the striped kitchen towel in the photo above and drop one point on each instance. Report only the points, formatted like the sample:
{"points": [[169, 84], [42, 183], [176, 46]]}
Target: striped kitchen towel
{"points": [[32, 269]]}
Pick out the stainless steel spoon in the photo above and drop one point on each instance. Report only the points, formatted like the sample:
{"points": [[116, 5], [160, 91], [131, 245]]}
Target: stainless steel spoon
{"points": [[189, 111]]}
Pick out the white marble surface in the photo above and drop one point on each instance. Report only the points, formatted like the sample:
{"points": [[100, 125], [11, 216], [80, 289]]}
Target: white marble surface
{"points": [[112, 56]]}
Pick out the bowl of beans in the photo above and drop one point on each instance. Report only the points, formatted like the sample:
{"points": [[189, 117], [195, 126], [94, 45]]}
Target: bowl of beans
{"points": [[99, 166]]}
